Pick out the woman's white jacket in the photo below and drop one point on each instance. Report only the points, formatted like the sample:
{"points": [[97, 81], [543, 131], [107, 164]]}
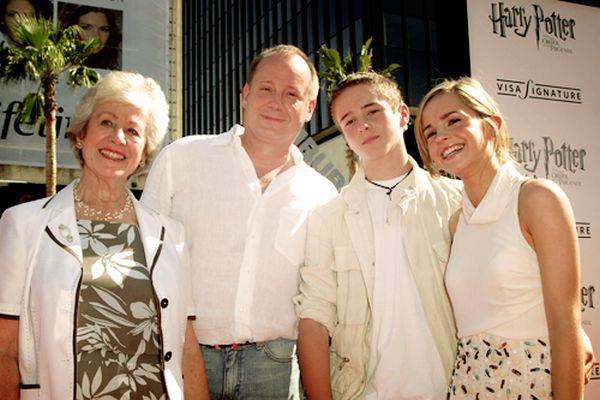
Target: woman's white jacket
{"points": [[40, 272]]}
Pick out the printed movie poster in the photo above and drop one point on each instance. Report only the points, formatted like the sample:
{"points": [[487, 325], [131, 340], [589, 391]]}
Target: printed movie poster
{"points": [[540, 61], [133, 36]]}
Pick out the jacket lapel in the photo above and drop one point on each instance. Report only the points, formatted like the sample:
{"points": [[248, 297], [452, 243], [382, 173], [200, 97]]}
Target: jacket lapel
{"points": [[62, 224]]}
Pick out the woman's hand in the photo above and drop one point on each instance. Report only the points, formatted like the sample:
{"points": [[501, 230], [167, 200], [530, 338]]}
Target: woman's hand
{"points": [[590, 359], [194, 374], [9, 364]]}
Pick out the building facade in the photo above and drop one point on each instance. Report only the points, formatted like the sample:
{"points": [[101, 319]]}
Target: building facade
{"points": [[427, 38]]}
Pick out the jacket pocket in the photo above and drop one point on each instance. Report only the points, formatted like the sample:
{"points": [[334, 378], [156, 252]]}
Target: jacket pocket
{"points": [[352, 300], [346, 381], [442, 253]]}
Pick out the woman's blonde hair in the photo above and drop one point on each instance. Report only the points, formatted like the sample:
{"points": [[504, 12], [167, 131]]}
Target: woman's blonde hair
{"points": [[474, 96]]}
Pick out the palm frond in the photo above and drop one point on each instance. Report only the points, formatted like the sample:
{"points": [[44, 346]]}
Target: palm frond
{"points": [[32, 31], [387, 72], [81, 76], [366, 54], [32, 110], [333, 69]]}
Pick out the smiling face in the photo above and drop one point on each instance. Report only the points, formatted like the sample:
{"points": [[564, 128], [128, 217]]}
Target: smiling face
{"points": [[276, 102], [94, 25], [371, 126], [114, 141], [458, 140], [14, 8]]}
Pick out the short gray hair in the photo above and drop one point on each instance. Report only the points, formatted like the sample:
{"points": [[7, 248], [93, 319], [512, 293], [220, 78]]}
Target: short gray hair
{"points": [[128, 88]]}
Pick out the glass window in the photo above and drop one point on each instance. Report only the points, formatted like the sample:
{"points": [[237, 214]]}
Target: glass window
{"points": [[290, 32], [393, 32], [358, 39], [300, 37], [262, 32], [346, 40], [309, 32], [345, 13], [358, 7], [321, 25], [418, 76], [416, 33], [394, 6], [279, 16], [332, 15], [324, 109]]}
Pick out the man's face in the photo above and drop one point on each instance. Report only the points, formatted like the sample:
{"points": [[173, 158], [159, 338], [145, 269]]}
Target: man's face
{"points": [[371, 126], [276, 102]]}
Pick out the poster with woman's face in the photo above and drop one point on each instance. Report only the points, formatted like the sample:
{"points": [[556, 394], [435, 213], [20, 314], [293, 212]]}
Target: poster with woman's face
{"points": [[133, 36], [103, 24], [10, 10]]}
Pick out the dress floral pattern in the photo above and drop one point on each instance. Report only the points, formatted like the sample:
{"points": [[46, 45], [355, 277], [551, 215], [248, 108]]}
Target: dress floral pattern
{"points": [[117, 343], [492, 367]]}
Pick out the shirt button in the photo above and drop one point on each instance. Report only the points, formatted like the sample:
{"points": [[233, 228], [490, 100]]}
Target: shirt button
{"points": [[164, 303], [168, 356]]}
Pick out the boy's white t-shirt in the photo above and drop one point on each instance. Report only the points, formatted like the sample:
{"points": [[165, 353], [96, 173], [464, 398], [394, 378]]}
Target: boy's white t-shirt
{"points": [[405, 363]]}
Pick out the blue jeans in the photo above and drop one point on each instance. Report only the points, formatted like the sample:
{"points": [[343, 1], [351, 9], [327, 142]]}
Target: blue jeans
{"points": [[259, 371]]}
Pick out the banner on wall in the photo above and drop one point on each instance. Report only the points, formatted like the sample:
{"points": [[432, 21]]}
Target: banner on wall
{"points": [[134, 36], [540, 61]]}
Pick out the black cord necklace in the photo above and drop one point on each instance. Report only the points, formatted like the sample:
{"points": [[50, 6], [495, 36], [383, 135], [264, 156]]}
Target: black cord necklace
{"points": [[389, 188]]}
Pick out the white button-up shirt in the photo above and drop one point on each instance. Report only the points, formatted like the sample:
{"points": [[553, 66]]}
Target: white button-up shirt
{"points": [[245, 245]]}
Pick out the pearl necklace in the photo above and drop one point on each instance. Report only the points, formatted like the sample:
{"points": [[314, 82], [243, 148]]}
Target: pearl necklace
{"points": [[100, 215]]}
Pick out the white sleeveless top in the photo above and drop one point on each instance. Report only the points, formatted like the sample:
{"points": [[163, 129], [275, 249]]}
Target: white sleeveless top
{"points": [[493, 276]]}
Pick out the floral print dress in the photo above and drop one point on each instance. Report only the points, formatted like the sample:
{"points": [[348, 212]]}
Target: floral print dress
{"points": [[117, 343]]}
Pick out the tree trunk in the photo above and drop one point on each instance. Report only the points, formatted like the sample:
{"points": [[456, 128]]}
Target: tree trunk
{"points": [[49, 85]]}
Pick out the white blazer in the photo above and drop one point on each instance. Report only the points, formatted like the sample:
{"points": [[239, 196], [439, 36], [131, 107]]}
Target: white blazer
{"points": [[40, 273]]}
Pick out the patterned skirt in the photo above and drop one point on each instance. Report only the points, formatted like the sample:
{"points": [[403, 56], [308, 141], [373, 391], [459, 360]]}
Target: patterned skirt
{"points": [[492, 367]]}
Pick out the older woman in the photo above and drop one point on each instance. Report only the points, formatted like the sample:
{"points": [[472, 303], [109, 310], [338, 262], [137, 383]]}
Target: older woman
{"points": [[94, 294]]}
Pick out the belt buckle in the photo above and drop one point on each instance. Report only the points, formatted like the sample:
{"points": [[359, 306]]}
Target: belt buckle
{"points": [[233, 346]]}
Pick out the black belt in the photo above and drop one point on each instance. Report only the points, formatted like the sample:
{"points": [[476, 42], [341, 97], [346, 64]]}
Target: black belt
{"points": [[233, 346]]}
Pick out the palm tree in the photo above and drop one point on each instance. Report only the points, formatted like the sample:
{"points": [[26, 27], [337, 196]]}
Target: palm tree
{"points": [[41, 52]]}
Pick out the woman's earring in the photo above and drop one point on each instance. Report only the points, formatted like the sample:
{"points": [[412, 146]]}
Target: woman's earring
{"points": [[142, 163]]}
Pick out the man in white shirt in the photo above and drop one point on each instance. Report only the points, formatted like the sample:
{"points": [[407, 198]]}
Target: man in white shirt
{"points": [[244, 197]]}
